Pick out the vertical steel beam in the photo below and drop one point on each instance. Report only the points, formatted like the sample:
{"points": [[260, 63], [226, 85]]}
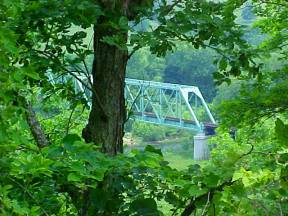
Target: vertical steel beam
{"points": [[142, 101], [176, 104], [160, 105], [180, 108]]}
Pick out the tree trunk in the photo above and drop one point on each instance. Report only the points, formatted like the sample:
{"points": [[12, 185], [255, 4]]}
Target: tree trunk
{"points": [[106, 120]]}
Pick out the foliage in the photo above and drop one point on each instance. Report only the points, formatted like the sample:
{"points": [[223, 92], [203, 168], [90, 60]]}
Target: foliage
{"points": [[143, 65], [185, 65], [149, 132], [189, 66], [226, 92], [70, 177], [55, 181], [259, 112], [258, 100]]}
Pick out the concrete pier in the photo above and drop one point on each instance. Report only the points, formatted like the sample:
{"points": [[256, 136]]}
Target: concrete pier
{"points": [[201, 150]]}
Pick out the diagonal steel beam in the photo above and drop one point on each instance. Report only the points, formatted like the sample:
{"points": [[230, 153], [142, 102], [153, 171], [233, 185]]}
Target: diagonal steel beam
{"points": [[185, 97]]}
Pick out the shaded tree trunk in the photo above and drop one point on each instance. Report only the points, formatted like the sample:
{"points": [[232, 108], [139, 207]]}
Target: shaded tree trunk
{"points": [[106, 121]]}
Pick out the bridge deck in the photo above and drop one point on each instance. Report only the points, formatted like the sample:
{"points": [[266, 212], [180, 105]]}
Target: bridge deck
{"points": [[174, 122]]}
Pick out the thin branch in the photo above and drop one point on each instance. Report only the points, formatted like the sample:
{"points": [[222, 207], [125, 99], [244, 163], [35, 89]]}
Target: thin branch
{"points": [[167, 11], [172, 6], [30, 195], [83, 83], [90, 42], [191, 207], [87, 74], [85, 65], [219, 51], [47, 43], [80, 80], [64, 68], [249, 152], [133, 51], [206, 205], [264, 153], [69, 119]]}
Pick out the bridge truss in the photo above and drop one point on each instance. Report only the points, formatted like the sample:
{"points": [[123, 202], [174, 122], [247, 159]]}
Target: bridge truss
{"points": [[167, 104], [159, 103]]}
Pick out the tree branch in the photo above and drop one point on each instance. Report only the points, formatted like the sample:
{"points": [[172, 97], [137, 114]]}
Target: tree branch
{"points": [[206, 205], [70, 119], [133, 51], [30, 195], [35, 126], [191, 207], [166, 12]]}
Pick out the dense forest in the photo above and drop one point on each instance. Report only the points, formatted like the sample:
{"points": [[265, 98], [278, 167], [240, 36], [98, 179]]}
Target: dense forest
{"points": [[65, 151]]}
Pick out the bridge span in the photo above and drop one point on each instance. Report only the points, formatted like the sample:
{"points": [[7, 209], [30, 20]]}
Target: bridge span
{"points": [[166, 104]]}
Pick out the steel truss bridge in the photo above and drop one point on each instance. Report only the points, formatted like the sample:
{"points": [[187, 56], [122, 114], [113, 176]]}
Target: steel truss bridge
{"points": [[168, 104], [159, 103]]}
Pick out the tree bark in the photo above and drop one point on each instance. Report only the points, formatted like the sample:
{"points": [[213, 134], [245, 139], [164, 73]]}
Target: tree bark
{"points": [[35, 126], [106, 120], [107, 117]]}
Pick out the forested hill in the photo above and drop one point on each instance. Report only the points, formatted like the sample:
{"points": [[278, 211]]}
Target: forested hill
{"points": [[187, 65]]}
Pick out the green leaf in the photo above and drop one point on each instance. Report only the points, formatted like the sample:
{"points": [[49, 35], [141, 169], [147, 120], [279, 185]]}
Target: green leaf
{"points": [[73, 177], [144, 206], [235, 71], [150, 148], [123, 23], [211, 180], [69, 140], [281, 131], [196, 191], [237, 175], [218, 75], [222, 64]]}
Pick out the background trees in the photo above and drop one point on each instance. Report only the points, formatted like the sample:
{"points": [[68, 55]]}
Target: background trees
{"points": [[44, 31], [185, 65]]}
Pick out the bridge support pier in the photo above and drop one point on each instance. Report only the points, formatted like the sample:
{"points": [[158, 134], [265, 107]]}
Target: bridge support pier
{"points": [[201, 150]]}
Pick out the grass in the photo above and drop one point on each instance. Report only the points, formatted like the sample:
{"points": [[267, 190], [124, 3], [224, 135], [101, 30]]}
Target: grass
{"points": [[178, 161], [178, 152]]}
